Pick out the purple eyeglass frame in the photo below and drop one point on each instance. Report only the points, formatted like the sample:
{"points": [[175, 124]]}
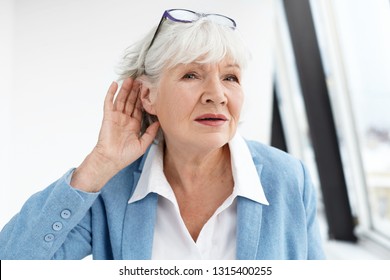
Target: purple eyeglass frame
{"points": [[167, 14]]}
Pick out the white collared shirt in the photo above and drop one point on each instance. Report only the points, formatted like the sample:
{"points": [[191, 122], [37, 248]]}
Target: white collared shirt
{"points": [[217, 239]]}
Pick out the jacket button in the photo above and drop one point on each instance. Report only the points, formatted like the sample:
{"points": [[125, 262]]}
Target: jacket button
{"points": [[65, 214], [49, 237], [57, 226]]}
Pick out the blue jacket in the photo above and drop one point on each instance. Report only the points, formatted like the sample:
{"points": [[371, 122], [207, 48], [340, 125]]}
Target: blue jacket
{"points": [[62, 223]]}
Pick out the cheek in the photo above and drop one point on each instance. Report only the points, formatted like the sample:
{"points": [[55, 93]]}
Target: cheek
{"points": [[236, 103], [172, 108]]}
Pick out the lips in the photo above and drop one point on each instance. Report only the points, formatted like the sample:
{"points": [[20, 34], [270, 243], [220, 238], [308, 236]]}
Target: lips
{"points": [[212, 119]]}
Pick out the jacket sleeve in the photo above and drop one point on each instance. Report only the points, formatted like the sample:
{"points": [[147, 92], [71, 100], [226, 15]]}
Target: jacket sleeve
{"points": [[315, 248], [53, 224]]}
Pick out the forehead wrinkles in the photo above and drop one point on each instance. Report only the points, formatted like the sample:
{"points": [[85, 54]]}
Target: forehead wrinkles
{"points": [[207, 66]]}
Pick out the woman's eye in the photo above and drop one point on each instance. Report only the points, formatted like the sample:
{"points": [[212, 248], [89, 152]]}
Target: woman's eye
{"points": [[189, 76], [232, 78]]}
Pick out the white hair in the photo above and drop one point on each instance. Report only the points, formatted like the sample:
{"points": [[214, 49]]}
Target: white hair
{"points": [[202, 41]]}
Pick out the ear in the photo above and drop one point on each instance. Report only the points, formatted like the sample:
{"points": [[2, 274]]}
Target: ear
{"points": [[148, 96]]}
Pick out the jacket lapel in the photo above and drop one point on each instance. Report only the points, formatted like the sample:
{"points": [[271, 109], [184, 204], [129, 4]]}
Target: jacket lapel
{"points": [[249, 217], [138, 224], [138, 228]]}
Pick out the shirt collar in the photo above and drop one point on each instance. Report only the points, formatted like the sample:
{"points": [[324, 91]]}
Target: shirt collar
{"points": [[246, 179], [152, 178]]}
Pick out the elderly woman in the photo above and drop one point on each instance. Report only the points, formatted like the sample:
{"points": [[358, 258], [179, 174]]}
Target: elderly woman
{"points": [[169, 177]]}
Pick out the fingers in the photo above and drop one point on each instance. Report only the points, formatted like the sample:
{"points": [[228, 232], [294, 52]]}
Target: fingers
{"points": [[127, 99], [120, 100], [135, 109], [133, 105], [149, 135], [109, 99]]}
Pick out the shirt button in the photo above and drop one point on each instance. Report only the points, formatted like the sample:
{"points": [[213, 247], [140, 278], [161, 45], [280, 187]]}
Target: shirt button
{"points": [[49, 237], [65, 214], [57, 226]]}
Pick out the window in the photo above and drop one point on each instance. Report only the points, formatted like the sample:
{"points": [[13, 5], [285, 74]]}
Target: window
{"points": [[354, 41]]}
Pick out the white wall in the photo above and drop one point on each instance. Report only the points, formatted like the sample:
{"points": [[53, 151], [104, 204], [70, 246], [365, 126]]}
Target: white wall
{"points": [[6, 74], [57, 61]]}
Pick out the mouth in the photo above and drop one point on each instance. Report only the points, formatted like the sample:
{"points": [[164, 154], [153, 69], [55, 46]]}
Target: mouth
{"points": [[212, 119]]}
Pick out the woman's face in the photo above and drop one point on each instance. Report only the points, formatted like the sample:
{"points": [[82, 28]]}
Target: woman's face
{"points": [[198, 105]]}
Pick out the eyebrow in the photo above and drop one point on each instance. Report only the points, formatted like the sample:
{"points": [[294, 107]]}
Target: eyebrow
{"points": [[202, 65], [233, 66]]}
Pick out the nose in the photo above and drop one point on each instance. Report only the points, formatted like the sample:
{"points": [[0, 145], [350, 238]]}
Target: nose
{"points": [[214, 92]]}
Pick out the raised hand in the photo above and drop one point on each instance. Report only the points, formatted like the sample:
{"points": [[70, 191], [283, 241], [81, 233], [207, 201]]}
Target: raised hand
{"points": [[120, 142]]}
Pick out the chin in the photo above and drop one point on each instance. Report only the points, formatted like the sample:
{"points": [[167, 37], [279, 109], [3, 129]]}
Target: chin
{"points": [[213, 140]]}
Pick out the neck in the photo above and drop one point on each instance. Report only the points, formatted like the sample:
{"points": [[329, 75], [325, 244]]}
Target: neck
{"points": [[193, 171]]}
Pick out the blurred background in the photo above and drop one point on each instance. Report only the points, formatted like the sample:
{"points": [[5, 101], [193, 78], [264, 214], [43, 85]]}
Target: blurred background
{"points": [[318, 87]]}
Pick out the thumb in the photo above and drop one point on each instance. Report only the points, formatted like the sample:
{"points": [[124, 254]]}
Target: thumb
{"points": [[149, 135]]}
